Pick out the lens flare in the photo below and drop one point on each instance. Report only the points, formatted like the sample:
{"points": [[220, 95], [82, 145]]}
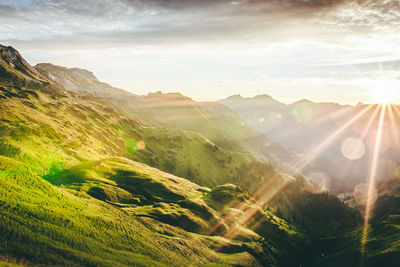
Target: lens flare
{"points": [[360, 194], [133, 146], [140, 145], [353, 148]]}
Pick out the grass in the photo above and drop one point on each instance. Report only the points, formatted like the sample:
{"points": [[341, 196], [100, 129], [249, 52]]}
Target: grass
{"points": [[43, 224], [344, 249], [190, 155], [166, 225], [74, 130]]}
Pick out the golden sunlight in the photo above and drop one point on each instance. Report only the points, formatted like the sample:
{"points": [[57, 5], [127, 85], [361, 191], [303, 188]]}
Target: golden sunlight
{"points": [[386, 91]]}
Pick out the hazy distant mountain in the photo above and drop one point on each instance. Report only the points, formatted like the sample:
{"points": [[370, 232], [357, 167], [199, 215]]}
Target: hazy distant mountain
{"points": [[325, 128], [215, 121], [80, 81]]}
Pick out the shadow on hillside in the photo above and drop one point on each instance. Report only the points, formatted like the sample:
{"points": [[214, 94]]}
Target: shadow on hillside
{"points": [[59, 177], [142, 186]]}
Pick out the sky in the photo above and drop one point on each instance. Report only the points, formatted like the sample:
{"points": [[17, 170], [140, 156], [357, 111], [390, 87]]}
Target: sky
{"points": [[322, 50]]}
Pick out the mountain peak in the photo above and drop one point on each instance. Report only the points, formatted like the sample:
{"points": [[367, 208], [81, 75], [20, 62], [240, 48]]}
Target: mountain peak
{"points": [[264, 97], [80, 81], [303, 101], [14, 70], [167, 96], [9, 52], [232, 97], [49, 68]]}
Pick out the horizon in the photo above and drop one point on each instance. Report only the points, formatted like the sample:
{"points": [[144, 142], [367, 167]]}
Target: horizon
{"points": [[242, 95]]}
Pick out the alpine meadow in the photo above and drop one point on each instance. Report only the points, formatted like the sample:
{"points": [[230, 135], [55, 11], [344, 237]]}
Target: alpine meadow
{"points": [[246, 133]]}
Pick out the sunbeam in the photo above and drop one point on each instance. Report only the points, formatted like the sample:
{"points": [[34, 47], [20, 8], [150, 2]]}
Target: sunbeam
{"points": [[268, 191], [372, 180], [394, 133], [299, 165]]}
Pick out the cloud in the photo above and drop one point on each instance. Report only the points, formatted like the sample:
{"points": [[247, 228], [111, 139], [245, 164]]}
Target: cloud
{"points": [[186, 4], [347, 32], [141, 21]]}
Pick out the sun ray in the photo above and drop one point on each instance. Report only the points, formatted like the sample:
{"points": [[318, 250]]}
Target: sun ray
{"points": [[270, 189], [392, 119], [364, 133], [369, 123], [267, 192], [299, 165], [372, 180]]}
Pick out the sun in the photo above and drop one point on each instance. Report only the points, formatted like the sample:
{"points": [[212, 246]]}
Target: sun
{"points": [[386, 91]]}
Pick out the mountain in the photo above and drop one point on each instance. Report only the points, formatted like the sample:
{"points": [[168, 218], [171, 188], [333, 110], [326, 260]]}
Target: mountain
{"points": [[156, 109], [43, 131], [215, 121], [65, 173], [63, 166], [83, 183], [14, 69], [80, 81], [16, 72], [328, 131]]}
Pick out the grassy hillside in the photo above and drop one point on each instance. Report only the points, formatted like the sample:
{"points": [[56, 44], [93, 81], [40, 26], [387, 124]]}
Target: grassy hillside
{"points": [[64, 203], [190, 155], [344, 248], [119, 212], [213, 120], [80, 81], [42, 131]]}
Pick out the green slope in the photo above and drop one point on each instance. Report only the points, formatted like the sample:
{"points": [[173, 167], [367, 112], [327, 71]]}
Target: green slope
{"points": [[96, 209], [119, 212], [42, 131], [190, 155], [215, 121], [344, 248], [173, 110]]}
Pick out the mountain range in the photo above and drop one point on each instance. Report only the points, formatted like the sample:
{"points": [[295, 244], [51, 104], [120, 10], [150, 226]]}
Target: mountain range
{"points": [[93, 175], [343, 135]]}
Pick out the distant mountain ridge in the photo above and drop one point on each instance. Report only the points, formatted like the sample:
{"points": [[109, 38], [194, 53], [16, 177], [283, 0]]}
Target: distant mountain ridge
{"points": [[219, 124], [214, 120], [295, 129], [80, 81], [305, 126]]}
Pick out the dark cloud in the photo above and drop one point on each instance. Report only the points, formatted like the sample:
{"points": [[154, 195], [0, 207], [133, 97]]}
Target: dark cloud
{"points": [[184, 4], [6, 10]]}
